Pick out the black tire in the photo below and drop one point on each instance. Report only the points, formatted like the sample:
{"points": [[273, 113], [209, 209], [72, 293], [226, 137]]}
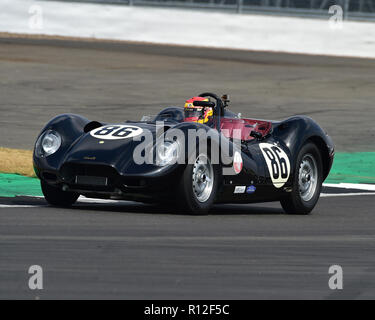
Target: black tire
{"points": [[57, 197], [294, 203], [186, 196]]}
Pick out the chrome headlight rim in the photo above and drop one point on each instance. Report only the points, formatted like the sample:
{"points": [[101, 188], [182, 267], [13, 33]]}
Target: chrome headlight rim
{"points": [[167, 152], [48, 143]]}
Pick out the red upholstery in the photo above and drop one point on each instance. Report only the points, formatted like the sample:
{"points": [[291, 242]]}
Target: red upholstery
{"points": [[228, 125]]}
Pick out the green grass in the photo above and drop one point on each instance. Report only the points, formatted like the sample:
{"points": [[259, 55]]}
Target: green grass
{"points": [[356, 167], [12, 185]]}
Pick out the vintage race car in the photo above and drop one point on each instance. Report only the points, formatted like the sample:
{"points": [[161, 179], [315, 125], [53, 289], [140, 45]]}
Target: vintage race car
{"points": [[240, 160]]}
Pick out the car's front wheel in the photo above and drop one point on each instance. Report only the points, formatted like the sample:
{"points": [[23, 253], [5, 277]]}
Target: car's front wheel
{"points": [[198, 186], [307, 182], [58, 197]]}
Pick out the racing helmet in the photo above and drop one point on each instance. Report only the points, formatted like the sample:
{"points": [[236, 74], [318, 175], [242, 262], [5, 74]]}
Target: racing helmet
{"points": [[198, 113]]}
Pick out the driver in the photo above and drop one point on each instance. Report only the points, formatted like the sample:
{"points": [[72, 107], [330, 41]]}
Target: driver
{"points": [[198, 114]]}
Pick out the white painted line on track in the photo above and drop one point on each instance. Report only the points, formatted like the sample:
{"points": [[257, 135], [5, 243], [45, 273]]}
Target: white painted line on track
{"points": [[357, 186], [91, 200], [81, 200], [327, 195], [101, 201], [20, 206], [84, 200]]}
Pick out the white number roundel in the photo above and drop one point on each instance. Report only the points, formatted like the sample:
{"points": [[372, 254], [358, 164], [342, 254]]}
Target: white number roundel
{"points": [[116, 132], [277, 162]]}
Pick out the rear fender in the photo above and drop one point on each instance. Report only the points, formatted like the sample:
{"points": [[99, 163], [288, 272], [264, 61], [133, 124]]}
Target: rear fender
{"points": [[296, 131]]}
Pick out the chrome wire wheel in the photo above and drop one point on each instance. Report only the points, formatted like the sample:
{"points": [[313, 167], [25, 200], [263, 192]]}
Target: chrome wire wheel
{"points": [[308, 177], [203, 178]]}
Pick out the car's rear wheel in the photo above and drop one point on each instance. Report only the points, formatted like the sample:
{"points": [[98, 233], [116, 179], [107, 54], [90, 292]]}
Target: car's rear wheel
{"points": [[307, 182], [58, 197], [198, 186]]}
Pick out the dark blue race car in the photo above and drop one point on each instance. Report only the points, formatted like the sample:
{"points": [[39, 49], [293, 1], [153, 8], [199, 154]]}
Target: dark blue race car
{"points": [[193, 157]]}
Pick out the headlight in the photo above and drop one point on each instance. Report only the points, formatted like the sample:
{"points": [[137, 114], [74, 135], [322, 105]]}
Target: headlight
{"points": [[50, 142], [166, 152]]}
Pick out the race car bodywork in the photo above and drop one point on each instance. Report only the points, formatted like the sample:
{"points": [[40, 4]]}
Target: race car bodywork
{"points": [[284, 161]]}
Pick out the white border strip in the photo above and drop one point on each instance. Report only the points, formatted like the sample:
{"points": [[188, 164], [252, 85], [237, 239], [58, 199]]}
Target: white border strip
{"points": [[357, 186], [20, 206], [83, 200], [328, 195]]}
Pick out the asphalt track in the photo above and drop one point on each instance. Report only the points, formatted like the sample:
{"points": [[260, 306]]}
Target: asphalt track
{"points": [[130, 251], [135, 251]]}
